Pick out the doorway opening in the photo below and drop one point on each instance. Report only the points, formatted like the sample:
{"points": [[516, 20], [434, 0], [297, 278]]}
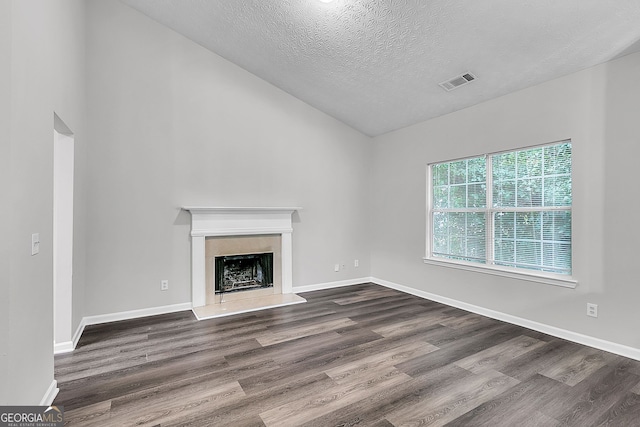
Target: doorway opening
{"points": [[63, 165]]}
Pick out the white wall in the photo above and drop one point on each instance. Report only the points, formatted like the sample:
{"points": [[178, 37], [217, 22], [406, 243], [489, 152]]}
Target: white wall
{"points": [[621, 290], [5, 188], [172, 124], [597, 109], [46, 53]]}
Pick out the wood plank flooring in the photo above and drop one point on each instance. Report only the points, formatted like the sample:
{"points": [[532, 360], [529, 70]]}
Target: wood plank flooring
{"points": [[357, 356]]}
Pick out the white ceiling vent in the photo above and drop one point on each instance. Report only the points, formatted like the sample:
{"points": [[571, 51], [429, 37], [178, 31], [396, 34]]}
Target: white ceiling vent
{"points": [[457, 81]]}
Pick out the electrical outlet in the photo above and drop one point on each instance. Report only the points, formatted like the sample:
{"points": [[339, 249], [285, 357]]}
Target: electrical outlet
{"points": [[356, 263], [592, 310], [164, 285], [336, 267]]}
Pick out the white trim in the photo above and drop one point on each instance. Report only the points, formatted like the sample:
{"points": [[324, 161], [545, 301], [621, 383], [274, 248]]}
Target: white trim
{"points": [[429, 212], [286, 259], [533, 276], [490, 252], [50, 394], [245, 231], [330, 285], [240, 209], [69, 346], [134, 314], [612, 347], [63, 347], [198, 271], [508, 209], [78, 333]]}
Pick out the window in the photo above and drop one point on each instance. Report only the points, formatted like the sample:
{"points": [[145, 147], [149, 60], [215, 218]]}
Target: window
{"points": [[509, 210]]}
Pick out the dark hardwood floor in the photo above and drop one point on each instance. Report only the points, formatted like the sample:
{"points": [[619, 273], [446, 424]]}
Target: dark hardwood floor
{"points": [[356, 356]]}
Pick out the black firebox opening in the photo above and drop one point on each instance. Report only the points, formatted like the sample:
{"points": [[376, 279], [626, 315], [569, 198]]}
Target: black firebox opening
{"points": [[234, 273]]}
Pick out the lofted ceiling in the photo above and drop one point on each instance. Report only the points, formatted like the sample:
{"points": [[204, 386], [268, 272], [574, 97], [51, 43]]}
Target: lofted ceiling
{"points": [[376, 64]]}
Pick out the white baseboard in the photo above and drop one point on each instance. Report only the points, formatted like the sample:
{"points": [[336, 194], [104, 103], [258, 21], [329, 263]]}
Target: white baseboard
{"points": [[78, 333], [612, 347], [329, 285], [69, 346], [63, 347], [51, 394], [134, 314]]}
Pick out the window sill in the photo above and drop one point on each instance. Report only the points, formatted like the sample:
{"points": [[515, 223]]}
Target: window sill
{"points": [[549, 279]]}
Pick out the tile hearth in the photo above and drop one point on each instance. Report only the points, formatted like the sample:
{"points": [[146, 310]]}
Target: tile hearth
{"points": [[247, 305]]}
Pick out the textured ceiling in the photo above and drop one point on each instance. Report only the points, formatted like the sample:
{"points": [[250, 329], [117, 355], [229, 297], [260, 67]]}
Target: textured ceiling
{"points": [[376, 64]]}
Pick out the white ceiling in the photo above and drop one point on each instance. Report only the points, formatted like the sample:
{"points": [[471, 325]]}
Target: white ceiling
{"points": [[376, 64]]}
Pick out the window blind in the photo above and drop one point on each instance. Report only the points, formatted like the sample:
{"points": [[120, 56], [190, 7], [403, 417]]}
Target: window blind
{"points": [[510, 209]]}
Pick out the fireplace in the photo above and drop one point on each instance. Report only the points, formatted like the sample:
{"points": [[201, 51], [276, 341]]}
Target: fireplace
{"points": [[238, 273], [226, 232]]}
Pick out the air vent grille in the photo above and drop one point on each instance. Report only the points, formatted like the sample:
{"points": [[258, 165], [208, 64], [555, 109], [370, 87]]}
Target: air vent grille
{"points": [[457, 81]]}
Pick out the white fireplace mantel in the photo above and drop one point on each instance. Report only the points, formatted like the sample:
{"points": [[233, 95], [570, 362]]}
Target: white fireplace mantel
{"points": [[237, 221]]}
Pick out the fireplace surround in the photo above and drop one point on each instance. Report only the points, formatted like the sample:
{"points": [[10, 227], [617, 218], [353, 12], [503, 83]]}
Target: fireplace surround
{"points": [[210, 224]]}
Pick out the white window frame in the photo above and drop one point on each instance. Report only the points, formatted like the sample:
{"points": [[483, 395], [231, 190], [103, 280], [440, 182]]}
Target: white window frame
{"points": [[563, 280]]}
